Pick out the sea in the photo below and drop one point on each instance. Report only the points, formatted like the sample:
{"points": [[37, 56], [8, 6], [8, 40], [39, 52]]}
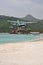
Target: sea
{"points": [[14, 38]]}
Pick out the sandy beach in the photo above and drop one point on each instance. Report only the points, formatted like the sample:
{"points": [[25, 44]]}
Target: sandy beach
{"points": [[24, 53]]}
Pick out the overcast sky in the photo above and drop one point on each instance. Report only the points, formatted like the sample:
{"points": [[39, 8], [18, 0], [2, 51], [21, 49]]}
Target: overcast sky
{"points": [[20, 8]]}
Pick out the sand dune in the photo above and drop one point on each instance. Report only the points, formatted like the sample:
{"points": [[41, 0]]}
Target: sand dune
{"points": [[25, 53]]}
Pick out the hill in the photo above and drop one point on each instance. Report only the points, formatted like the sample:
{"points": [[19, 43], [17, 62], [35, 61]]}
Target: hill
{"points": [[30, 18], [35, 27], [5, 18]]}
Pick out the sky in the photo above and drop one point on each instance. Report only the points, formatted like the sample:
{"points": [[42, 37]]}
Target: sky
{"points": [[21, 8]]}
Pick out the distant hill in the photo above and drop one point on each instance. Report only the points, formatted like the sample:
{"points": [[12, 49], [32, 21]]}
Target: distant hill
{"points": [[35, 27], [30, 18], [4, 18]]}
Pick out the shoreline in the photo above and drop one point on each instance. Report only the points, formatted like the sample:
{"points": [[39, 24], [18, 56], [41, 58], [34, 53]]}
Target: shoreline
{"points": [[37, 40]]}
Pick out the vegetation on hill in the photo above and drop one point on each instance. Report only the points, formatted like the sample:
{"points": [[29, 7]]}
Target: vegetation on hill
{"points": [[35, 27]]}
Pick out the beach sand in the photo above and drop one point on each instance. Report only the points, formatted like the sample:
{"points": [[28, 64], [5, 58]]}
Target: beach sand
{"points": [[24, 53]]}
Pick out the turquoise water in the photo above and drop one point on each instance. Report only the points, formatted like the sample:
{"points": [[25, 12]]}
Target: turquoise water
{"points": [[6, 38]]}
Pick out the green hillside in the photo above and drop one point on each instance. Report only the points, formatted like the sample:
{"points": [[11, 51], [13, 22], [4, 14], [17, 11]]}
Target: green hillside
{"points": [[5, 25], [36, 27]]}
